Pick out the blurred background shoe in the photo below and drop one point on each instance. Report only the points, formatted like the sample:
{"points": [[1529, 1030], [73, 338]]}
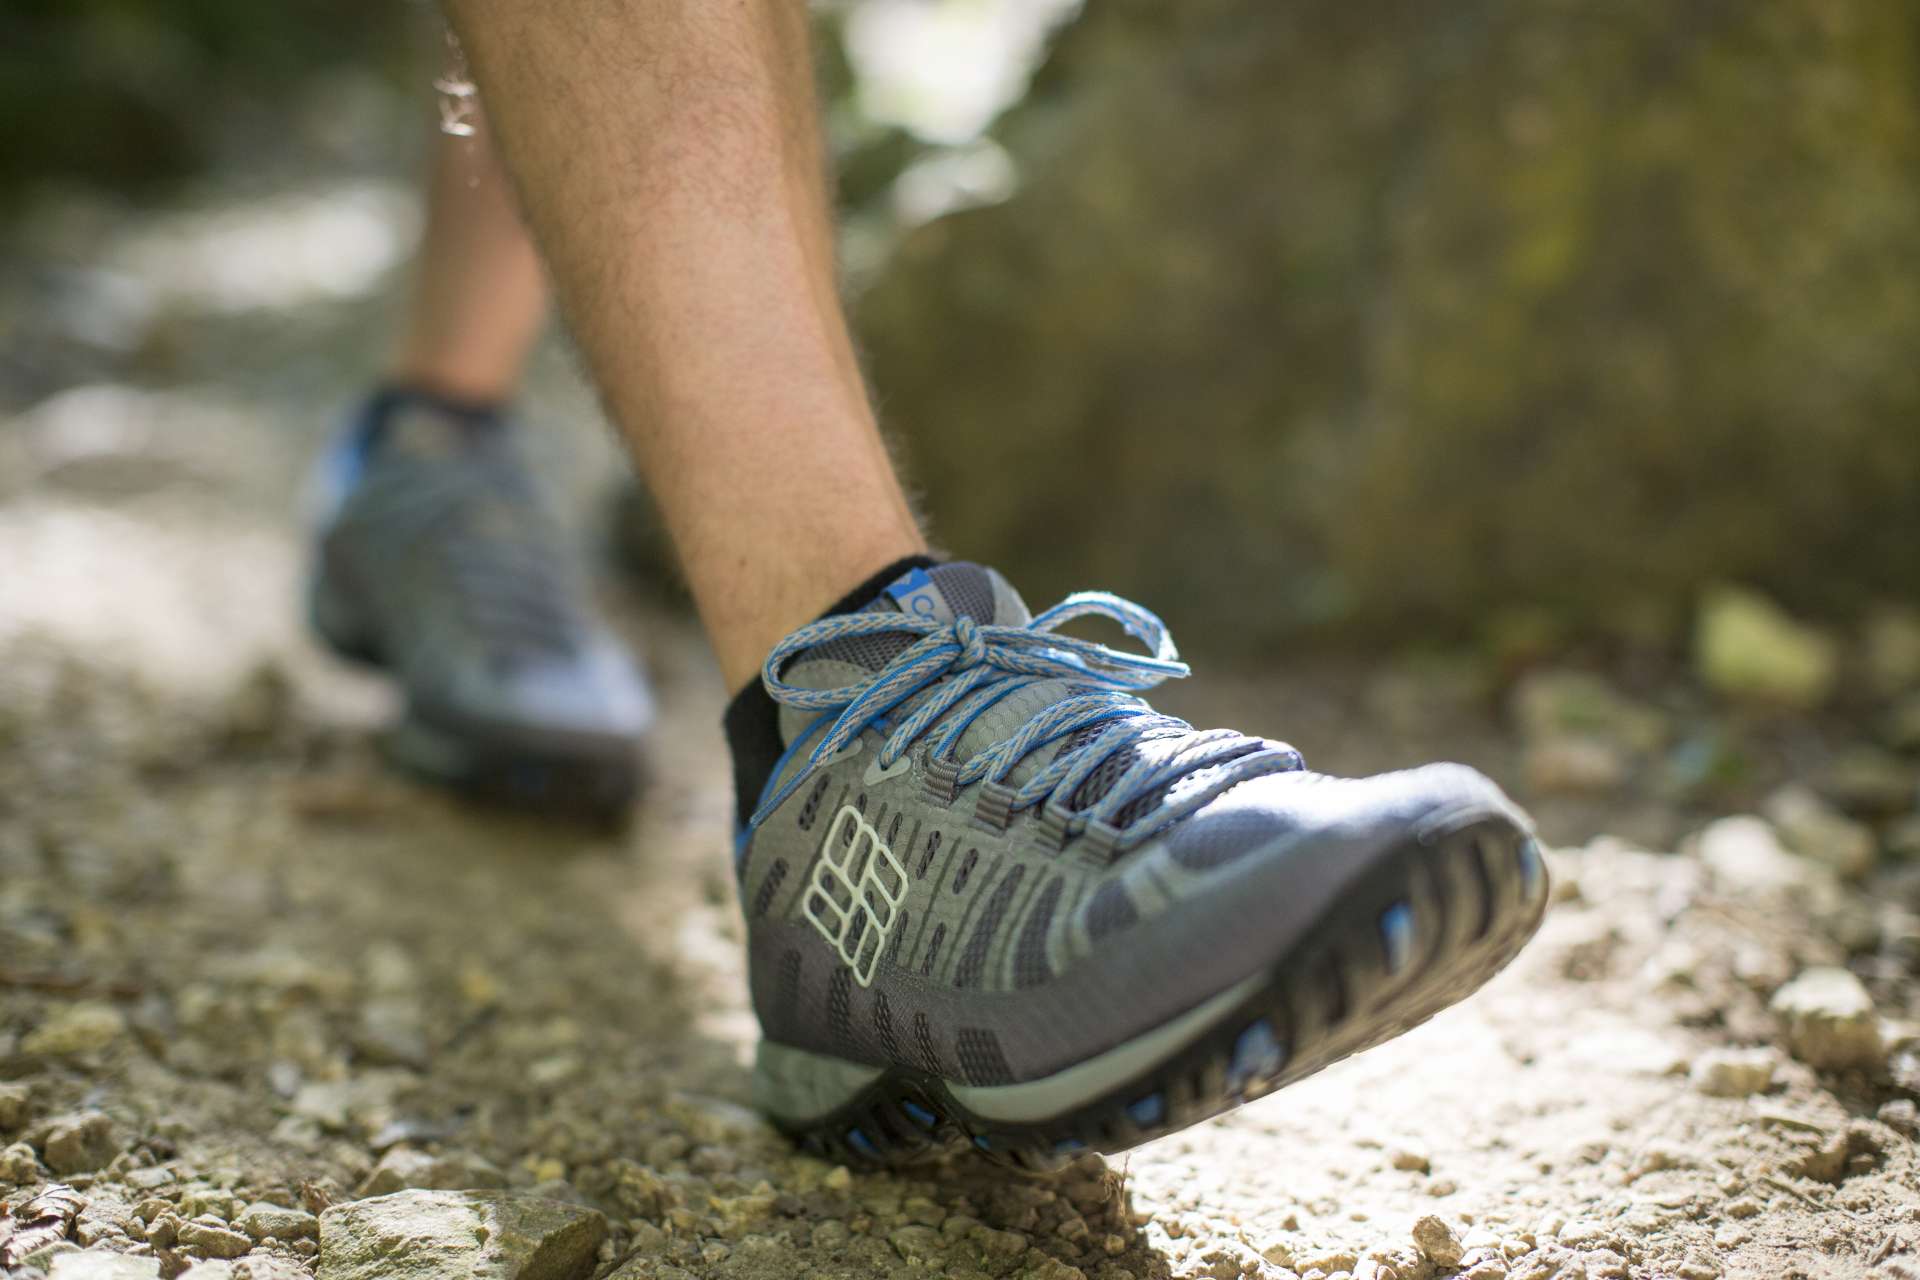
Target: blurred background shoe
{"points": [[438, 561]]}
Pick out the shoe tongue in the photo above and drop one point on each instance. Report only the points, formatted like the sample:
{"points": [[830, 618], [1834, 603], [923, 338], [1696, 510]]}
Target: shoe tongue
{"points": [[428, 433], [942, 592], [949, 591]]}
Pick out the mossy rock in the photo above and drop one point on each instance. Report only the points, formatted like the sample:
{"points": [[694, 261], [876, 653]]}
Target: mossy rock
{"points": [[1376, 322]]}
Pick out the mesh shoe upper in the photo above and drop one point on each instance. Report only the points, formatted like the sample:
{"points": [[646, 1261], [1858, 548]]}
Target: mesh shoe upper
{"points": [[452, 570], [985, 857]]}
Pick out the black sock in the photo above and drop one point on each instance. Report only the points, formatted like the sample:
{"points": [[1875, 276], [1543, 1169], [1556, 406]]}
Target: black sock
{"points": [[393, 397], [752, 719], [397, 395]]}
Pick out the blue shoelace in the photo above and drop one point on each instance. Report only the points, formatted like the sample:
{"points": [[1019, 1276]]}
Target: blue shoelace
{"points": [[964, 667]]}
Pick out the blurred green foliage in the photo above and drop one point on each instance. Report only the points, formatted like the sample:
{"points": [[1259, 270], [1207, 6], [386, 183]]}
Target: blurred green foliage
{"points": [[1395, 319], [126, 94], [1422, 320]]}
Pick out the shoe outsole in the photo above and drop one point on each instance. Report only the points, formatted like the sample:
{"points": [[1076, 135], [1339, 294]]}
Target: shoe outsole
{"points": [[596, 788], [1423, 929]]}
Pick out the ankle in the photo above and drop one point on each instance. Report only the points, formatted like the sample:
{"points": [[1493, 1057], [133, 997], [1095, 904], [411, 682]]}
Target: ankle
{"points": [[749, 609], [450, 387], [752, 718]]}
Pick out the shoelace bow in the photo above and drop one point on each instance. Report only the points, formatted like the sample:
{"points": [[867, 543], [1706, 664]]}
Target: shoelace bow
{"points": [[967, 666]]}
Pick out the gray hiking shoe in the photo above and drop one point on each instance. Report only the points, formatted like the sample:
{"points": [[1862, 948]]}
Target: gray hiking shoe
{"points": [[995, 900], [438, 562]]}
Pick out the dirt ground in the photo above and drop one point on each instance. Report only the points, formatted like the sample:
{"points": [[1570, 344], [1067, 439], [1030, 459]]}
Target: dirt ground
{"points": [[247, 977]]}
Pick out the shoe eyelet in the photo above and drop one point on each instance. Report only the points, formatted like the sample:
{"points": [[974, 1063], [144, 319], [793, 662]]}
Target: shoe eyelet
{"points": [[878, 773], [847, 752]]}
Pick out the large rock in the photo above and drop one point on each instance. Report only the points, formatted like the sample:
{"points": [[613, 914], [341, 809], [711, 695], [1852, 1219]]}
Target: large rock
{"points": [[1829, 1020], [438, 1235], [1319, 314]]}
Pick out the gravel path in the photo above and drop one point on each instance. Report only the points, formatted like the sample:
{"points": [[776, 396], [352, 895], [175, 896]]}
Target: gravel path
{"points": [[266, 1011]]}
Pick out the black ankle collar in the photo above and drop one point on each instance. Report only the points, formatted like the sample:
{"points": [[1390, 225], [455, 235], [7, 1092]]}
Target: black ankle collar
{"points": [[752, 719]]}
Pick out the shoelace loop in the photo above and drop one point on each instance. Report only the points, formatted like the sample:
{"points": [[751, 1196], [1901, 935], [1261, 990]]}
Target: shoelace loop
{"points": [[965, 666]]}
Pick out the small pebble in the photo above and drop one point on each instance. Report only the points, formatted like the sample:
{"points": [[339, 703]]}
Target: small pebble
{"points": [[1829, 1020], [1815, 829], [86, 1027], [103, 1264], [1902, 1115], [1733, 1073], [213, 1241], [13, 1104], [1437, 1241], [81, 1142], [263, 1221], [1409, 1159]]}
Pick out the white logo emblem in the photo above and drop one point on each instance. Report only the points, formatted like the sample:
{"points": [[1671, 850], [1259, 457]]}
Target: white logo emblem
{"points": [[854, 896]]}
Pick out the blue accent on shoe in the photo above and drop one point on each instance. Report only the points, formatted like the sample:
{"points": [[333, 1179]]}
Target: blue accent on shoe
{"points": [[983, 1143], [345, 458], [915, 593], [1396, 934], [341, 464], [1068, 1146], [1150, 1110], [863, 1144], [919, 1114], [1257, 1055], [1532, 869], [770, 801]]}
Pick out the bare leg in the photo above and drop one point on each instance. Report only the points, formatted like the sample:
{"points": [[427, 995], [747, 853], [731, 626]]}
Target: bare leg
{"points": [[669, 159], [479, 295]]}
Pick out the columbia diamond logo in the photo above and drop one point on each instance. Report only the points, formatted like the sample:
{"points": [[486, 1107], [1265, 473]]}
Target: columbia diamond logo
{"points": [[853, 897]]}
